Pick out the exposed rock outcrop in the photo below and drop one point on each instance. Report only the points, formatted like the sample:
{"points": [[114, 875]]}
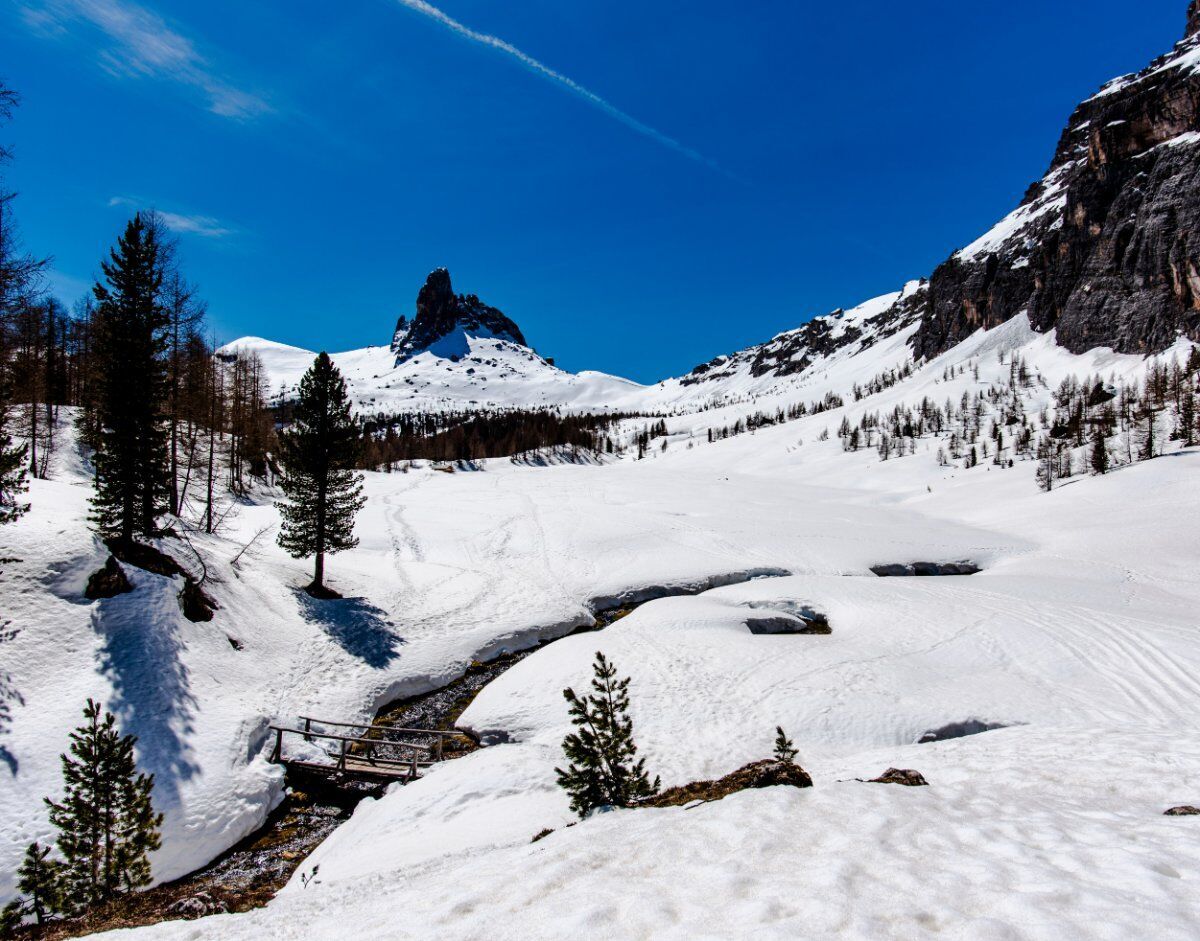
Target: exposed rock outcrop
{"points": [[1105, 249], [1183, 810], [767, 773], [442, 313], [903, 776], [108, 582]]}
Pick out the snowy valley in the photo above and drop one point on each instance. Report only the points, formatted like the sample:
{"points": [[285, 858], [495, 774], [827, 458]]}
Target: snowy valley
{"points": [[1037, 431]]}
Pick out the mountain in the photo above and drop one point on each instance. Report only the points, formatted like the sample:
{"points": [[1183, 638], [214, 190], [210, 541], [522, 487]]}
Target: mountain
{"points": [[456, 352], [447, 321], [1103, 251]]}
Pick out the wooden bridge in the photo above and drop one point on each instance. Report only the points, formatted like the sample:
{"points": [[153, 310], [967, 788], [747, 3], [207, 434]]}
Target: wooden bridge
{"points": [[375, 754]]}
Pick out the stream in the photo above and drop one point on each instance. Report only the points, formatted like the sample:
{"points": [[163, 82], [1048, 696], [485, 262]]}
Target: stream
{"points": [[249, 874]]}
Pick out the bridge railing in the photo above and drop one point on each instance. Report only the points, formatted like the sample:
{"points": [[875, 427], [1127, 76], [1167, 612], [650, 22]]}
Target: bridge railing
{"points": [[363, 754]]}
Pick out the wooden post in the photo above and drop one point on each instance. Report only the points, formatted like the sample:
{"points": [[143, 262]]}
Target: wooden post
{"points": [[440, 739], [412, 774], [342, 758], [278, 753], [307, 729]]}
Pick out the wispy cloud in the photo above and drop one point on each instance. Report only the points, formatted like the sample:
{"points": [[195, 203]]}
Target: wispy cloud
{"points": [[138, 43], [182, 223], [539, 68]]}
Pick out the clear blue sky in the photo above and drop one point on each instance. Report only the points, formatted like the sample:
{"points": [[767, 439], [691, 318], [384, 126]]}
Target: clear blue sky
{"points": [[739, 168]]}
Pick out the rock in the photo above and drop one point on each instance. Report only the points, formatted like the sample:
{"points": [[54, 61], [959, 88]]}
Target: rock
{"points": [[924, 569], [541, 835], [147, 557], [758, 774], [108, 582], [197, 906], [905, 776], [1183, 810], [786, 624], [1107, 255], [441, 312], [196, 604]]}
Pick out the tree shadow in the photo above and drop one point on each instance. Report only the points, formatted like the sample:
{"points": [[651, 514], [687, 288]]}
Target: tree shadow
{"points": [[9, 694], [358, 627], [142, 656]]}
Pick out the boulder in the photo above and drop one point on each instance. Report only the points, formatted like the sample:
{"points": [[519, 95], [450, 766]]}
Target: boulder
{"points": [[1183, 810], [108, 582], [904, 776]]}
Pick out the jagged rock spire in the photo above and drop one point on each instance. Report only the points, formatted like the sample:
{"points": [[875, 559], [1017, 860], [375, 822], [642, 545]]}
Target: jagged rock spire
{"points": [[1193, 24], [441, 312]]}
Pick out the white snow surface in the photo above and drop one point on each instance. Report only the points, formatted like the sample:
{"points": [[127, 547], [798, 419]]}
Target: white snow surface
{"points": [[1080, 636]]}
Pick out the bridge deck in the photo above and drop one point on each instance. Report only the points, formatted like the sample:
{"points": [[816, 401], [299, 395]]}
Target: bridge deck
{"points": [[378, 754]]}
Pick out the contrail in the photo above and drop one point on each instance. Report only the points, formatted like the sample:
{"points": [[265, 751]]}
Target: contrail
{"points": [[495, 42]]}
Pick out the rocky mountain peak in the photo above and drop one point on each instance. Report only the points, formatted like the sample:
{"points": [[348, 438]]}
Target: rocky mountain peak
{"points": [[1102, 250], [447, 318]]}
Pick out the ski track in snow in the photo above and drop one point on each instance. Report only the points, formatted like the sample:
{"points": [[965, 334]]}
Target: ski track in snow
{"points": [[1079, 634]]}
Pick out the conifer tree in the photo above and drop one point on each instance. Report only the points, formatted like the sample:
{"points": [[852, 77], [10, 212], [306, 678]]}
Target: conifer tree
{"points": [[601, 769], [130, 322], [39, 880], [319, 453], [106, 821], [784, 749], [1099, 451], [13, 481]]}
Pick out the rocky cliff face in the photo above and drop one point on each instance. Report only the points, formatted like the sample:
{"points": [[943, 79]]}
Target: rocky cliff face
{"points": [[1105, 249], [442, 313]]}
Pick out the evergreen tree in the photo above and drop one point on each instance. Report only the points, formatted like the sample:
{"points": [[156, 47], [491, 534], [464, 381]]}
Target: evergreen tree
{"points": [[13, 481], [1099, 451], [319, 451], [130, 322], [106, 821], [784, 749], [601, 769], [39, 880]]}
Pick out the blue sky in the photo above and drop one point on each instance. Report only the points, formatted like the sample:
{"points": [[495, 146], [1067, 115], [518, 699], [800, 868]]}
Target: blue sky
{"points": [[640, 185]]}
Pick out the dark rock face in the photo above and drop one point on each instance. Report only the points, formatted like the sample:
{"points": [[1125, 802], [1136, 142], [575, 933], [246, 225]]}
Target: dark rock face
{"points": [[108, 582], [1106, 248], [768, 773], [904, 776], [440, 312]]}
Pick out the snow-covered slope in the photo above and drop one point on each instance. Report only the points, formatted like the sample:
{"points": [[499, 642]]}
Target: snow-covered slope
{"points": [[1079, 637]]}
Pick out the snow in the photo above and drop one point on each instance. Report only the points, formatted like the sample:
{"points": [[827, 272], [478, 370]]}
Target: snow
{"points": [[1078, 636], [1052, 200]]}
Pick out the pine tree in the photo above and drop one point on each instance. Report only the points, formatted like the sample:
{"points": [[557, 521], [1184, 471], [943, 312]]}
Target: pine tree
{"points": [[601, 769], [784, 749], [13, 481], [1099, 451], [39, 882], [319, 451], [131, 461], [106, 821]]}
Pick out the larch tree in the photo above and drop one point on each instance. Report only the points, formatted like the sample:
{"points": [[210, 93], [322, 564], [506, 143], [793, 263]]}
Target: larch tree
{"points": [[132, 485], [319, 453]]}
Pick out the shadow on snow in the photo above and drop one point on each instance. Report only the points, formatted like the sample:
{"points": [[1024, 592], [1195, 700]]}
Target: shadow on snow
{"points": [[152, 697], [358, 627]]}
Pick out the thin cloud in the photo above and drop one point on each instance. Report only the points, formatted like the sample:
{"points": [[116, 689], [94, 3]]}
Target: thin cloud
{"points": [[181, 223], [140, 44], [495, 42]]}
